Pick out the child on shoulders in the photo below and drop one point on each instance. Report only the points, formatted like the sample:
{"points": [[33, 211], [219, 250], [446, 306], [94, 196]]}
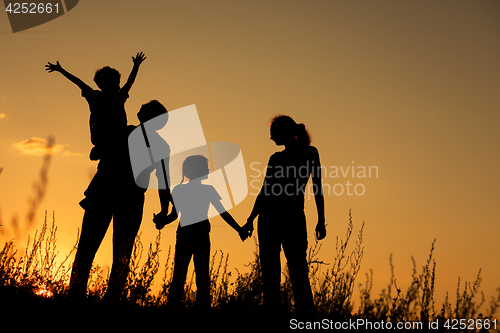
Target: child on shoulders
{"points": [[108, 119]]}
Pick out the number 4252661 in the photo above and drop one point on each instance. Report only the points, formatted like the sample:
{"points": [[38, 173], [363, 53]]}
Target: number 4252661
{"points": [[471, 324], [32, 8]]}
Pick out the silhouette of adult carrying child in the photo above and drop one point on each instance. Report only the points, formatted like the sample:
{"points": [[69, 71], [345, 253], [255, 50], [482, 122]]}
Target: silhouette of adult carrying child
{"points": [[113, 194], [280, 208]]}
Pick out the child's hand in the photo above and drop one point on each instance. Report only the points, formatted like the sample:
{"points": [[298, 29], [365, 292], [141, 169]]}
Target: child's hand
{"points": [[162, 219], [248, 227], [53, 68], [139, 58], [243, 233]]}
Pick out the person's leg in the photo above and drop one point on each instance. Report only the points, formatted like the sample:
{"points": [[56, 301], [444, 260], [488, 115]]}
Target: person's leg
{"points": [[295, 249], [269, 254], [94, 226], [201, 258], [126, 224], [182, 257]]}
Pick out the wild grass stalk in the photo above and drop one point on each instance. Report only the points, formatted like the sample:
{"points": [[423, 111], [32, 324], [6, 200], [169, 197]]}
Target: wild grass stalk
{"points": [[140, 278], [333, 289], [36, 272]]}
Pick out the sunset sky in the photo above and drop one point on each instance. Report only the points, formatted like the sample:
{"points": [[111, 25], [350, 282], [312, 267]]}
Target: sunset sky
{"points": [[409, 88]]}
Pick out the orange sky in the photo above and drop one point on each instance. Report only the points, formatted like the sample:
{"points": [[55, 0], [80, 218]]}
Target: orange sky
{"points": [[408, 87]]}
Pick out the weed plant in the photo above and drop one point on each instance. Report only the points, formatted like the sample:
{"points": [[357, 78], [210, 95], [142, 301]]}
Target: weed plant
{"points": [[35, 275]]}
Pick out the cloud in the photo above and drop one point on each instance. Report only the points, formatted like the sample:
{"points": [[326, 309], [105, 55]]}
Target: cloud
{"points": [[3, 115], [38, 147], [69, 153]]}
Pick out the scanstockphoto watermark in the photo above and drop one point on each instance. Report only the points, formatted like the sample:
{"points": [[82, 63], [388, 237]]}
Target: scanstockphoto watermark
{"points": [[357, 324], [337, 180], [365, 324]]}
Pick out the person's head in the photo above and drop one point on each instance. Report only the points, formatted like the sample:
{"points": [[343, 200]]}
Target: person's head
{"points": [[107, 79], [285, 130], [153, 109], [195, 167]]}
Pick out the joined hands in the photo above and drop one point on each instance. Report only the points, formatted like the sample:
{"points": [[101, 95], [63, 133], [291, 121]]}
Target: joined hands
{"points": [[246, 230], [162, 219]]}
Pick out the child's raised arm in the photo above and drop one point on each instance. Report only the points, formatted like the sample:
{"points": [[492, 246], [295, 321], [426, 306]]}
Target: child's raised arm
{"points": [[139, 58], [58, 68]]}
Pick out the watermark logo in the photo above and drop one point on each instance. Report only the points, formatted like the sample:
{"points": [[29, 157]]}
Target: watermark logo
{"points": [[26, 15], [353, 185], [165, 142]]}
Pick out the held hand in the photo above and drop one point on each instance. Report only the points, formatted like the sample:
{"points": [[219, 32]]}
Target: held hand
{"points": [[320, 230], [249, 227], [243, 234], [139, 58], [158, 220], [162, 219], [53, 67]]}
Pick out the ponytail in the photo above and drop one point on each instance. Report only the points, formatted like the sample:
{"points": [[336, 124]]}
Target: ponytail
{"points": [[303, 136]]}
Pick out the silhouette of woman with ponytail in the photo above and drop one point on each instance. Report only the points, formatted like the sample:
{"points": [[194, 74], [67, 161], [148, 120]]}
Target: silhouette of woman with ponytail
{"points": [[280, 208]]}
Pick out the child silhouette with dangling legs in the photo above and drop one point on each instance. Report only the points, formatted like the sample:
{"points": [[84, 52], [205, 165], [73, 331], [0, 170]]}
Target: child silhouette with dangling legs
{"points": [[192, 201], [108, 119]]}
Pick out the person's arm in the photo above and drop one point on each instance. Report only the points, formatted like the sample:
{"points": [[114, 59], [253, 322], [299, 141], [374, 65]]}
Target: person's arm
{"points": [[165, 200], [257, 206], [58, 68], [230, 220], [139, 58], [163, 217], [318, 195], [255, 212]]}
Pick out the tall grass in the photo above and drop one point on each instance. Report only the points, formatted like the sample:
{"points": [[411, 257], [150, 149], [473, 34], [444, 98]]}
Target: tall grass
{"points": [[36, 273]]}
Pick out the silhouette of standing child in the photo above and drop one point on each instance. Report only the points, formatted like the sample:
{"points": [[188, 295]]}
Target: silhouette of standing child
{"points": [[108, 119], [280, 207], [192, 201]]}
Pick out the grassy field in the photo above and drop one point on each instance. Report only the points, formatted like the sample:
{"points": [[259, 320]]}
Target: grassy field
{"points": [[33, 291]]}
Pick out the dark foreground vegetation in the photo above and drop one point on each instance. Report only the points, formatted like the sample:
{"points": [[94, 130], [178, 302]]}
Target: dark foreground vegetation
{"points": [[33, 293]]}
